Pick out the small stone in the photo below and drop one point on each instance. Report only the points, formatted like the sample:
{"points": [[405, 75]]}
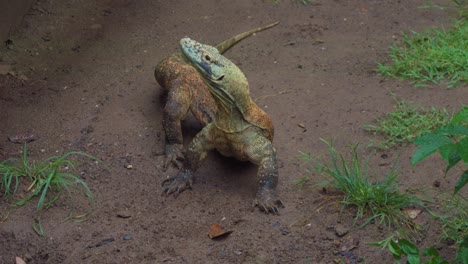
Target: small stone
{"points": [[127, 237], [328, 237], [129, 167], [341, 230], [19, 260]]}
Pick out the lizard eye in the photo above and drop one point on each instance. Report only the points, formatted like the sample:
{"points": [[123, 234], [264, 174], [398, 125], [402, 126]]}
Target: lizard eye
{"points": [[220, 78], [206, 57]]}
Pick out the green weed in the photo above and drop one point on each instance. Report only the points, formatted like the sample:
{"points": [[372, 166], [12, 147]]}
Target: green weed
{"points": [[402, 248], [406, 123], [49, 180], [431, 57], [376, 200], [451, 141]]}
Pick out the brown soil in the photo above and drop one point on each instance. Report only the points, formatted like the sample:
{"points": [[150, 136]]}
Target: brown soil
{"points": [[83, 80]]}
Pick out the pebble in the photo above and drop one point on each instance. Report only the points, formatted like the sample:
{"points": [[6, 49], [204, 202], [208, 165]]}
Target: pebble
{"points": [[19, 260], [341, 230], [127, 237]]}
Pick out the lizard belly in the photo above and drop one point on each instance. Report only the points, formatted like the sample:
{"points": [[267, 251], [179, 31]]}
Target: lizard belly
{"points": [[232, 144]]}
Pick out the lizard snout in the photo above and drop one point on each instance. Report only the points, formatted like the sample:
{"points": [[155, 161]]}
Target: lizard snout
{"points": [[186, 41]]}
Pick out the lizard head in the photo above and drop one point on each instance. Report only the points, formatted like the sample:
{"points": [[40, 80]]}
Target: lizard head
{"points": [[225, 80]]}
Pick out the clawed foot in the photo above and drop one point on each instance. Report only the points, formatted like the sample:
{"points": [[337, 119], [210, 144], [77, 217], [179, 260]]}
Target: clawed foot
{"points": [[266, 201], [177, 184], [174, 155]]}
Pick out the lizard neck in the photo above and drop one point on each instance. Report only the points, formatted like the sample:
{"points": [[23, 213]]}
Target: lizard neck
{"points": [[230, 119]]}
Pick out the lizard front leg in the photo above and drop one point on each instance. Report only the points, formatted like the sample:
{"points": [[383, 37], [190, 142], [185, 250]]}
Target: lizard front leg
{"points": [[196, 153], [175, 110], [261, 152]]}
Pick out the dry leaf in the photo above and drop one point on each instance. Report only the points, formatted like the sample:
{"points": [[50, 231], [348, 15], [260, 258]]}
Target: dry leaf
{"points": [[412, 213], [216, 231]]}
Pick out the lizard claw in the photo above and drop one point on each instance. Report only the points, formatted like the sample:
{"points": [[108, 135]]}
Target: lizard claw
{"points": [[267, 202], [269, 206], [174, 155], [177, 184]]}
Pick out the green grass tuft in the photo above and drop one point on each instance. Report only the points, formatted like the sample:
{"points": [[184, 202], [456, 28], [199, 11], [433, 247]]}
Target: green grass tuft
{"points": [[454, 220], [50, 178], [431, 57], [376, 201], [406, 123]]}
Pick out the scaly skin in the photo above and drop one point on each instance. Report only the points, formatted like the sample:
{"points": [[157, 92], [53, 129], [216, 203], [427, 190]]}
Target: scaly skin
{"points": [[186, 91], [240, 128]]}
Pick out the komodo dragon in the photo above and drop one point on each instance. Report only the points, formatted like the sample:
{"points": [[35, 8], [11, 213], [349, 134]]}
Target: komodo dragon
{"points": [[187, 91], [240, 128]]}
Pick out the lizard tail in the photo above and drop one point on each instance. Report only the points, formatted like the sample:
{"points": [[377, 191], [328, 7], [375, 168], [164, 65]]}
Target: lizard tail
{"points": [[227, 44]]}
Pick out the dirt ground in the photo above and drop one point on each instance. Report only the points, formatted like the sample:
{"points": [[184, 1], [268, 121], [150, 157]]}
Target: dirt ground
{"points": [[81, 78]]}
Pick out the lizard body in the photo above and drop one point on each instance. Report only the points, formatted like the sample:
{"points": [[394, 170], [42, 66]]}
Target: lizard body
{"points": [[239, 129], [187, 92]]}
